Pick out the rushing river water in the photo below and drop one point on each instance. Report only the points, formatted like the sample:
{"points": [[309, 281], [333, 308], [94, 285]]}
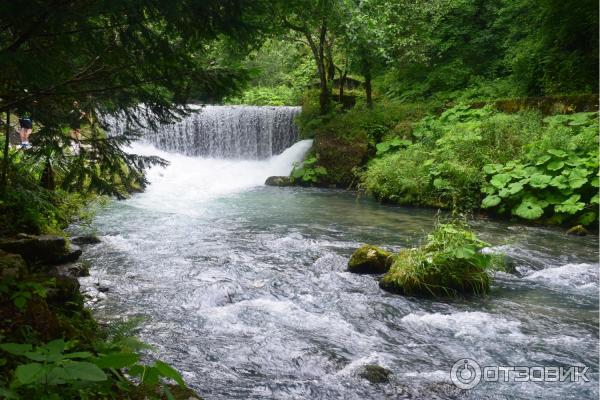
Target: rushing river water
{"points": [[245, 290]]}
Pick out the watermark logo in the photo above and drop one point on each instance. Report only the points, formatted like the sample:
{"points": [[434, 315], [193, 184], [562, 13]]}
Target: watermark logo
{"points": [[466, 373]]}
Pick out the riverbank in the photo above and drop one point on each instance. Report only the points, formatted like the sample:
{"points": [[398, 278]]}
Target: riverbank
{"points": [[530, 165]]}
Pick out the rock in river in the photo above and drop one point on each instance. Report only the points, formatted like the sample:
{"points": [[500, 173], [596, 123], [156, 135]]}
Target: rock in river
{"points": [[279, 181], [370, 260]]}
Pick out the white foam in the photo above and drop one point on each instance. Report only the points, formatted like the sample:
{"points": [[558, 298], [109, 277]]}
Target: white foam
{"points": [[579, 276], [466, 323], [191, 181]]}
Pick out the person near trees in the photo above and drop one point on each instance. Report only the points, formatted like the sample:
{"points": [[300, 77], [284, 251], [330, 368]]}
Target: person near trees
{"points": [[26, 126]]}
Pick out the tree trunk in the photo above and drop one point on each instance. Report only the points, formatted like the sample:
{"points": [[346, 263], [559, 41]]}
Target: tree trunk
{"points": [[4, 177], [342, 84], [369, 90], [47, 180]]}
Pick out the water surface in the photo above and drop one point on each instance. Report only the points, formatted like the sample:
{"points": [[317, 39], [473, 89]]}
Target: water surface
{"points": [[246, 291]]}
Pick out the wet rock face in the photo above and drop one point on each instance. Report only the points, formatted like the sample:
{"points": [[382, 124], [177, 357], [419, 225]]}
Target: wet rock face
{"points": [[375, 373], [42, 249], [279, 181], [370, 260]]}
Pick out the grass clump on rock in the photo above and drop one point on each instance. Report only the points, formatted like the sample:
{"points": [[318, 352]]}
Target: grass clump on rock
{"points": [[449, 264]]}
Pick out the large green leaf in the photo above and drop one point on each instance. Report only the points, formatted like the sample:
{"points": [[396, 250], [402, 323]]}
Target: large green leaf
{"points": [[529, 209], [515, 187], [557, 153], [168, 372], [570, 206], [543, 159], [560, 182], [555, 165], [491, 201], [117, 360], [539, 181], [84, 371], [29, 373], [500, 180], [15, 348]]}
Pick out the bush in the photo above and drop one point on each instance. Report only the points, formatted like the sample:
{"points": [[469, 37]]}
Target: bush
{"points": [[558, 184], [267, 96], [450, 263], [445, 165]]}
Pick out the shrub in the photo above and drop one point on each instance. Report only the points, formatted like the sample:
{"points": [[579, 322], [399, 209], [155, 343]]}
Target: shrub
{"points": [[450, 263], [445, 165]]}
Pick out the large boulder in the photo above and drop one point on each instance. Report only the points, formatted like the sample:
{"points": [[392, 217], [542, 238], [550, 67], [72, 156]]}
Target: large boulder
{"points": [[12, 265], [279, 181], [369, 259], [42, 249]]}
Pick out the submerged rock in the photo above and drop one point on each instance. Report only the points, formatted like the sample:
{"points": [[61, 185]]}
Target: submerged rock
{"points": [[280, 181], [578, 230], [375, 373], [42, 249], [85, 239], [369, 259]]}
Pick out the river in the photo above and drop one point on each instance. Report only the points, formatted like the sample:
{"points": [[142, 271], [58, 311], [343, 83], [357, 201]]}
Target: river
{"points": [[245, 290]]}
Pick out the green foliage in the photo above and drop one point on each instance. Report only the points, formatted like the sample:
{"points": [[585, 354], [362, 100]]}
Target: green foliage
{"points": [[307, 172], [267, 96], [559, 186], [391, 145], [443, 168], [20, 292], [465, 152], [450, 263], [52, 370]]}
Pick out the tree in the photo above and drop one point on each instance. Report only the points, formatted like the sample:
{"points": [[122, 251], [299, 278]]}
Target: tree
{"points": [[140, 58], [313, 22]]}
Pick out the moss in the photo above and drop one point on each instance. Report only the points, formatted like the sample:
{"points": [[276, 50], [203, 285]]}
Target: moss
{"points": [[375, 373], [578, 230], [12, 265], [340, 156], [369, 260], [410, 276]]}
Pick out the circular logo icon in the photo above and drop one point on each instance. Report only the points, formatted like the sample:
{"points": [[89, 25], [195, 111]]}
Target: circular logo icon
{"points": [[465, 373]]}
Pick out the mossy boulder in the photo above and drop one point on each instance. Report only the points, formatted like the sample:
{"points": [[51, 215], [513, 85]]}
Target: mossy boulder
{"points": [[340, 156], [412, 275], [42, 249], [12, 265], [369, 259], [375, 373], [578, 230], [280, 181]]}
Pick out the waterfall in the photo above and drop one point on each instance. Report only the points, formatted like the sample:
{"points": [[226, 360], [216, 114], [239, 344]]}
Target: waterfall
{"points": [[231, 132]]}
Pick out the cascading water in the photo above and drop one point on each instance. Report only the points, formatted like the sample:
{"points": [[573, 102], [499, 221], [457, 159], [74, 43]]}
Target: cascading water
{"points": [[246, 290], [238, 132]]}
